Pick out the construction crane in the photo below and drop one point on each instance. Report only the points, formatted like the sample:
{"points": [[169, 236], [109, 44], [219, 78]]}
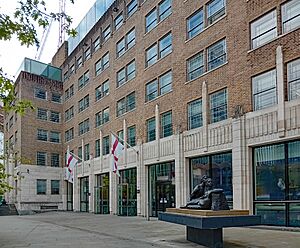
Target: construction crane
{"points": [[43, 41]]}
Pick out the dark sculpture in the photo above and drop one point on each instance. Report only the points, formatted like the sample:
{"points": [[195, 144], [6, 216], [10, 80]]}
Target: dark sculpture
{"points": [[205, 197]]}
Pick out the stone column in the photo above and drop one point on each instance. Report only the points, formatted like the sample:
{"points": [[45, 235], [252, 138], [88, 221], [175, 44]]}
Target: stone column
{"points": [[157, 130], [91, 185], [280, 91], [179, 170], [205, 115], [125, 141], [139, 180]]}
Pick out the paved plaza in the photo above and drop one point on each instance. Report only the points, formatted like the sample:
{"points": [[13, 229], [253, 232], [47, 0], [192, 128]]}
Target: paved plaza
{"points": [[66, 229]]}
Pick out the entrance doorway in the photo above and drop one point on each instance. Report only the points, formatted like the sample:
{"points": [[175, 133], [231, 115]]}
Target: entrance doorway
{"points": [[69, 196], [102, 194], [165, 195], [84, 194]]}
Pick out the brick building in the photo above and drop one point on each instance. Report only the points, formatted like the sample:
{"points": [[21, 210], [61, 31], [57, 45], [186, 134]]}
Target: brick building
{"points": [[196, 87]]}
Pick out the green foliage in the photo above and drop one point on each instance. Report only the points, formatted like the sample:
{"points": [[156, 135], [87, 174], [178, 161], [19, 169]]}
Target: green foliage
{"points": [[4, 186]]}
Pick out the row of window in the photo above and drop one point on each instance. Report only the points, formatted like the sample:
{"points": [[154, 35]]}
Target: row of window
{"points": [[41, 187], [41, 159], [42, 94], [45, 115], [42, 135]]}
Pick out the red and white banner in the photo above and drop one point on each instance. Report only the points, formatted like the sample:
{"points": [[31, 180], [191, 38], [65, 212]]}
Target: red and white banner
{"points": [[71, 163], [116, 151]]}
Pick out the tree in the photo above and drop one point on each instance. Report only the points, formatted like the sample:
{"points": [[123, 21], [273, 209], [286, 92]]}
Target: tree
{"points": [[27, 18]]}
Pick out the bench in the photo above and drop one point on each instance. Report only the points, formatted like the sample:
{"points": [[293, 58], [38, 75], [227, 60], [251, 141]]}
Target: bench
{"points": [[205, 227]]}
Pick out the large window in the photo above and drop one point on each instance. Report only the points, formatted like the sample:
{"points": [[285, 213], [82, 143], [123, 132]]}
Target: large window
{"points": [[41, 186], [40, 93], [151, 20], [86, 152], [126, 42], [164, 9], [54, 187], [151, 129], [84, 103], [69, 134], [118, 21], [293, 74], [264, 90], [159, 86], [83, 80], [54, 137], [102, 117], [106, 34], [131, 8], [277, 183], [216, 55], [96, 44], [264, 29], [218, 106], [102, 90], [69, 113], [54, 116], [41, 158], [215, 9], [131, 139], [105, 148], [97, 148], [291, 15], [195, 114], [126, 104], [166, 124], [102, 64], [42, 114], [56, 97], [84, 127], [195, 66], [195, 24], [126, 73], [42, 135]]}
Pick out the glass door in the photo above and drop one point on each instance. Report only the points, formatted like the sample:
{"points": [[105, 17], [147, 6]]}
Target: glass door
{"points": [[102, 200], [165, 195], [84, 194], [123, 199], [69, 196]]}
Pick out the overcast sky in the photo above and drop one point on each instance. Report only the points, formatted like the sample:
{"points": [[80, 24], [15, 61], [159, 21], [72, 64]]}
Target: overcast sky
{"points": [[12, 53]]}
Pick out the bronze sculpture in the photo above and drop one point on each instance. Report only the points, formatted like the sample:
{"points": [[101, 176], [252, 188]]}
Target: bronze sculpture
{"points": [[205, 197]]}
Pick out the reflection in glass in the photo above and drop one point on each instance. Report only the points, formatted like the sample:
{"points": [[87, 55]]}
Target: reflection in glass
{"points": [[271, 214], [294, 170], [294, 215], [200, 167], [84, 194]]}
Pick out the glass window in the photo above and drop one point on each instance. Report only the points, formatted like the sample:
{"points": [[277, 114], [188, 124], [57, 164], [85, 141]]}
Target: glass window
{"points": [[199, 167], [54, 137], [42, 114], [151, 90], [105, 61], [165, 83], [195, 24], [56, 97], [40, 93], [218, 106], [164, 9], [42, 135], [215, 9], [151, 20], [69, 113], [130, 39], [264, 90], [195, 114], [118, 21], [79, 62], [102, 90], [86, 152], [195, 66], [165, 46], [294, 172], [41, 186], [121, 47], [130, 102], [121, 107], [290, 15], [151, 129], [54, 159], [166, 124], [130, 70], [96, 44], [41, 158], [121, 77], [131, 140], [120, 135], [97, 148], [54, 116], [87, 54], [216, 54], [105, 145], [264, 29], [106, 34], [84, 127], [80, 152], [151, 55], [69, 134], [293, 74], [83, 80], [131, 8], [54, 187]]}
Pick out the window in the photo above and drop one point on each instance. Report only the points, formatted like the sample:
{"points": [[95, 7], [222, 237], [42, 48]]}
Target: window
{"points": [[195, 24], [79, 62], [160, 50], [41, 186], [293, 75], [195, 66], [54, 187], [84, 127], [54, 116], [216, 55], [72, 69], [97, 148], [87, 54], [131, 8], [54, 160], [218, 106], [118, 21], [105, 145], [264, 29], [195, 114], [164, 9], [42, 114], [83, 80], [96, 44], [215, 9], [11, 121], [69, 92], [84, 103], [290, 15], [80, 152], [69, 113], [56, 97], [86, 152], [126, 104], [102, 117], [264, 90], [40, 93], [41, 158], [126, 42], [106, 34], [151, 20], [69, 134], [131, 139], [102, 90], [54, 137], [126, 73], [42, 135], [159, 86], [121, 136], [102, 64], [166, 124]]}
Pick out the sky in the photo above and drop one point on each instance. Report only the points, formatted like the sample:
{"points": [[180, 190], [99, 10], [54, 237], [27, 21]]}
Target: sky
{"points": [[12, 53]]}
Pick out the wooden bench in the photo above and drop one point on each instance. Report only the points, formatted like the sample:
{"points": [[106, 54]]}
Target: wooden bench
{"points": [[205, 227]]}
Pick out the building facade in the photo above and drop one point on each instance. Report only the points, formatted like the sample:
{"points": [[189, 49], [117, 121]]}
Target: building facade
{"points": [[194, 87]]}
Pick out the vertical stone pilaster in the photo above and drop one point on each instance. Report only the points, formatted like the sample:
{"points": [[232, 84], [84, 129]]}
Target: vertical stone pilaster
{"points": [[139, 179], [76, 191], [113, 192], [205, 114], [91, 185], [101, 150], [280, 91], [157, 130], [125, 140], [179, 170]]}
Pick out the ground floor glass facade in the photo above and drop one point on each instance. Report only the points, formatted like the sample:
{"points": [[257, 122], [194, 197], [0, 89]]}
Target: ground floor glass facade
{"points": [[102, 194], [84, 194], [69, 196]]}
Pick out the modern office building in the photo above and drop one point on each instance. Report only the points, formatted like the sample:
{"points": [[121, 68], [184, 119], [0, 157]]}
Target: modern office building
{"points": [[194, 87]]}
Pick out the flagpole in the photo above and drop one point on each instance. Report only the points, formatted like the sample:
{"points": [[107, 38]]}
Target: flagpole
{"points": [[124, 142]]}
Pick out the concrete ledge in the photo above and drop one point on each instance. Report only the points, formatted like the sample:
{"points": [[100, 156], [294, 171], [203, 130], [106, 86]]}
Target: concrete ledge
{"points": [[207, 212]]}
